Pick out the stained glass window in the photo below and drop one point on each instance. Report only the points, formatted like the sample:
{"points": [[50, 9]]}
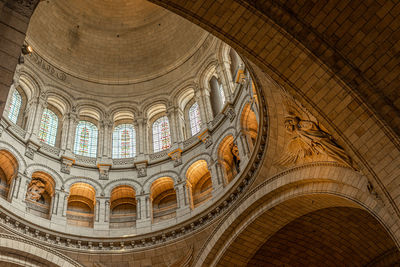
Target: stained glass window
{"points": [[86, 139], [48, 127], [15, 106], [221, 92], [161, 134], [124, 141], [194, 118]]}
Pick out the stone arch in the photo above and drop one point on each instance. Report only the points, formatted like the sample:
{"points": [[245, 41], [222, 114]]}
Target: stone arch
{"points": [[43, 168], [8, 173], [31, 83], [317, 179], [72, 180], [171, 174], [206, 73], [122, 107], [163, 199], [204, 156], [199, 183], [124, 181], [20, 159], [59, 101], [81, 205], [40, 194], [90, 110], [228, 131], [188, 84], [123, 206], [149, 103], [34, 251]]}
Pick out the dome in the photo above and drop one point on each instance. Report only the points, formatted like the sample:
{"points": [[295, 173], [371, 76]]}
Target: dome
{"points": [[132, 137], [113, 42]]}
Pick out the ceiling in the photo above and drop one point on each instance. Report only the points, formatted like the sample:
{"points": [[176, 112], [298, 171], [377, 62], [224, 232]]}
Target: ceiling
{"points": [[112, 41]]}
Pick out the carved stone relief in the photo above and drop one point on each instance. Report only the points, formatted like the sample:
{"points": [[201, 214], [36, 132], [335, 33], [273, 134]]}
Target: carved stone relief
{"points": [[141, 168], [35, 191], [308, 140]]}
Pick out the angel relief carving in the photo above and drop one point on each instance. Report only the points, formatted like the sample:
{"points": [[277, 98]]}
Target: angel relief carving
{"points": [[308, 141]]}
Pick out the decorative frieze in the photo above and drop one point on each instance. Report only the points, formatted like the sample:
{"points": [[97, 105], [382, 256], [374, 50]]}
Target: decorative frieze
{"points": [[47, 67]]}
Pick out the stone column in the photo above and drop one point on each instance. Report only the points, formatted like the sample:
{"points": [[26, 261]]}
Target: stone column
{"points": [[64, 132], [225, 84], [100, 140], [208, 108], [60, 203], [203, 113], [140, 136], [216, 179], [101, 213], [19, 188], [172, 124], [73, 122], [180, 121], [182, 200], [243, 150], [42, 104], [227, 71], [189, 193], [143, 212], [31, 109], [107, 140]]}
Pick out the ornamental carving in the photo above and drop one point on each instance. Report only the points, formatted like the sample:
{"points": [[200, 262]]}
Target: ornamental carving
{"points": [[308, 140], [48, 68], [141, 168], [36, 190]]}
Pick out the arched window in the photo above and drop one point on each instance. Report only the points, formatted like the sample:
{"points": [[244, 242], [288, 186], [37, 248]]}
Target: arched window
{"points": [[124, 141], [86, 139], [222, 94], [15, 106], [161, 134], [48, 127], [194, 118]]}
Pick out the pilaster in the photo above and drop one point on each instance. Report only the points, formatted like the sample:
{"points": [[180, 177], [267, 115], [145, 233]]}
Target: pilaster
{"points": [[143, 211]]}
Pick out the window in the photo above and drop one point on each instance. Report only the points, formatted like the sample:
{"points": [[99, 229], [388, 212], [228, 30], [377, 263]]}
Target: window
{"points": [[194, 118], [124, 141], [15, 106], [86, 139], [48, 127], [221, 92], [161, 134]]}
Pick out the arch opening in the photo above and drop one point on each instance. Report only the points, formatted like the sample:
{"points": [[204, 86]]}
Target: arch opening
{"points": [[163, 199], [123, 207], [81, 205], [8, 172], [198, 180], [39, 194], [228, 157]]}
